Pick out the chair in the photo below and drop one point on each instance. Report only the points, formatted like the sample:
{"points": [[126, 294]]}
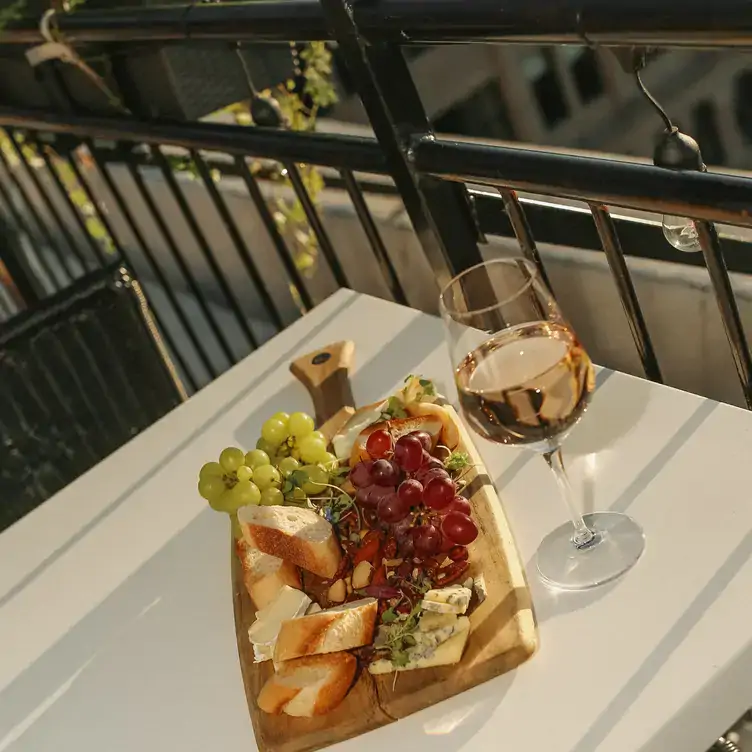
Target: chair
{"points": [[80, 375]]}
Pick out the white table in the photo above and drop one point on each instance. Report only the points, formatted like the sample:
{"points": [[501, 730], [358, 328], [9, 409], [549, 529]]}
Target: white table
{"points": [[116, 625]]}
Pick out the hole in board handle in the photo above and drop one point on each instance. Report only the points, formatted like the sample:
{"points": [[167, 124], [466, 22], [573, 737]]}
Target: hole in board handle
{"points": [[321, 358]]}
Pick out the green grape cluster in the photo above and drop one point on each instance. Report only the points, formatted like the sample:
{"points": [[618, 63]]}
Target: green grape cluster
{"points": [[259, 476]]}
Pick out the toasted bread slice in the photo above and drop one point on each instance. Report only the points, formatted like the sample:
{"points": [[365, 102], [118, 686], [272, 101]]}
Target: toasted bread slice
{"points": [[299, 536], [341, 628], [432, 425], [265, 575], [308, 686], [450, 434]]}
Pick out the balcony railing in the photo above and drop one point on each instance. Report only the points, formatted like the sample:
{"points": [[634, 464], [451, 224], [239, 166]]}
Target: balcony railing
{"points": [[455, 193]]}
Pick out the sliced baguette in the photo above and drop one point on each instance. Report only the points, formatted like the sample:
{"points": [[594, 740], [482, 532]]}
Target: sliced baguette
{"points": [[336, 629], [299, 536], [450, 434], [308, 686], [265, 575]]}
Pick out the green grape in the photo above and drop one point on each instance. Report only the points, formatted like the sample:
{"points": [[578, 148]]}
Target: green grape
{"points": [[256, 458], [284, 417], [283, 450], [318, 435], [330, 461], [295, 453], [211, 470], [271, 497], [223, 502], [312, 449], [287, 466], [211, 488], [274, 431], [244, 473], [244, 493], [266, 476], [317, 479], [231, 459], [301, 425], [266, 446]]}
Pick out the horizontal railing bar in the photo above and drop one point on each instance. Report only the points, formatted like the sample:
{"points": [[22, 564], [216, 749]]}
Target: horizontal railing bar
{"points": [[352, 152], [624, 22], [702, 195]]}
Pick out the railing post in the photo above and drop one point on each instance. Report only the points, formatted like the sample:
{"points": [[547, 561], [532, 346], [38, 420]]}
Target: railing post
{"points": [[440, 212]]}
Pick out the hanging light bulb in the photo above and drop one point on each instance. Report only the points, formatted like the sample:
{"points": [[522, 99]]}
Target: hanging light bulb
{"points": [[681, 233], [675, 150]]}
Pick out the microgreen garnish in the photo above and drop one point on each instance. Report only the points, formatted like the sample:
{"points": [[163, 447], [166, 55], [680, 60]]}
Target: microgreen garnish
{"points": [[393, 409], [457, 461], [396, 634]]}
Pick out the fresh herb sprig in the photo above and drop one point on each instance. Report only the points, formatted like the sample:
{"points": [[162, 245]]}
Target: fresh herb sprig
{"points": [[397, 634]]}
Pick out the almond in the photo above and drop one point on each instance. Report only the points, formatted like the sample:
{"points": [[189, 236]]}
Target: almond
{"points": [[361, 576], [337, 592]]}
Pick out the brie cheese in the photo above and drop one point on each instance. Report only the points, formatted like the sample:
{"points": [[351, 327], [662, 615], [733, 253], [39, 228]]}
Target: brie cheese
{"points": [[344, 441], [289, 604], [453, 599]]}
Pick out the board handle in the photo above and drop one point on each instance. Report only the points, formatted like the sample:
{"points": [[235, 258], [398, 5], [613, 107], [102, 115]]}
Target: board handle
{"points": [[325, 373]]}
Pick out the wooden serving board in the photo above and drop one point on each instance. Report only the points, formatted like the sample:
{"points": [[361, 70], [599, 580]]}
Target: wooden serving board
{"points": [[503, 633]]}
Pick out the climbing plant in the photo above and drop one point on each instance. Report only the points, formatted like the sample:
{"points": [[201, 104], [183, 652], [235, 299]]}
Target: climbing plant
{"points": [[299, 104]]}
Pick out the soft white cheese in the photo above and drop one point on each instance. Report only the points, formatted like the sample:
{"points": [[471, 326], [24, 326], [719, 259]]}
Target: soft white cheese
{"points": [[344, 441], [289, 604], [453, 599]]}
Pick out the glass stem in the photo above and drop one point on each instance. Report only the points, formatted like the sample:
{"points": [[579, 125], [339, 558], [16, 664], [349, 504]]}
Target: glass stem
{"points": [[583, 535]]}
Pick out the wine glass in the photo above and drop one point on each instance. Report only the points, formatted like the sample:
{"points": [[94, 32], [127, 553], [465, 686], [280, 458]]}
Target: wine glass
{"points": [[524, 379]]}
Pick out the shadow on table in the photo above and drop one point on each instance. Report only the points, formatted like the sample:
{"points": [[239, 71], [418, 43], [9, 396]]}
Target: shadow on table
{"points": [[153, 667]]}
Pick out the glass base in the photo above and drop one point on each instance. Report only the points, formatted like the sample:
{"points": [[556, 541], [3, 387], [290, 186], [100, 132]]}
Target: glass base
{"points": [[616, 549]]}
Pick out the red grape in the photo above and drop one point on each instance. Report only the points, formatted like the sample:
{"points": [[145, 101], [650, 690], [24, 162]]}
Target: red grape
{"points": [[370, 496], [408, 453], [427, 540], [458, 504], [430, 462], [393, 509], [459, 528], [411, 492], [425, 439], [438, 493], [379, 444], [360, 475], [384, 473], [425, 476]]}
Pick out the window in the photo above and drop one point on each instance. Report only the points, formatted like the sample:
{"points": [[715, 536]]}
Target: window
{"points": [[540, 69], [483, 114], [705, 130]]}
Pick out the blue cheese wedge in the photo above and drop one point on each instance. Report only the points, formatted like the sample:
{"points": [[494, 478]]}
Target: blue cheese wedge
{"points": [[426, 655], [344, 441], [289, 604], [449, 600]]}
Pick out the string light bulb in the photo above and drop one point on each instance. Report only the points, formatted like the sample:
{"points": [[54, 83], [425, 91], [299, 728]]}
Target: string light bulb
{"points": [[678, 151]]}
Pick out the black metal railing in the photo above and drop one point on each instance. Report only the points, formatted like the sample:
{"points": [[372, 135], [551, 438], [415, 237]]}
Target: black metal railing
{"points": [[430, 174]]}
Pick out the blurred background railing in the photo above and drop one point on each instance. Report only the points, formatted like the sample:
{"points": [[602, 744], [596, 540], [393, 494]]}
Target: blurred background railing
{"points": [[245, 160]]}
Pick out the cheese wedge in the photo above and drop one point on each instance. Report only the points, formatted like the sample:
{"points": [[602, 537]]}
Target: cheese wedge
{"points": [[453, 599], [446, 654], [289, 604]]}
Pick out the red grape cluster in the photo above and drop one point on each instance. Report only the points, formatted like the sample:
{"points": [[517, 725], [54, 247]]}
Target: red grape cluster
{"points": [[409, 489]]}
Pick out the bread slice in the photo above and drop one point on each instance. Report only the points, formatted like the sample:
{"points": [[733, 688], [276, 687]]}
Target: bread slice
{"points": [[265, 575], [431, 424], [341, 628], [308, 686], [450, 434], [299, 536]]}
